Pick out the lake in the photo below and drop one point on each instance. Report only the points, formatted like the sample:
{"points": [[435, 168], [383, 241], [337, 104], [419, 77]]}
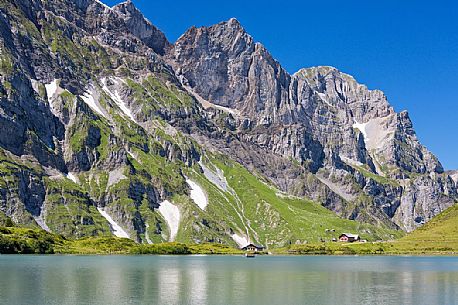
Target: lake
{"points": [[228, 280]]}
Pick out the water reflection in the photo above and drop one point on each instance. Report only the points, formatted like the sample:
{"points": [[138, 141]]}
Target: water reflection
{"points": [[227, 280], [197, 276], [169, 286]]}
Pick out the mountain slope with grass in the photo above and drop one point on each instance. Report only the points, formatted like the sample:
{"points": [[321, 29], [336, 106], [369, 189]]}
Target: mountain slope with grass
{"points": [[438, 237], [108, 129], [441, 231]]}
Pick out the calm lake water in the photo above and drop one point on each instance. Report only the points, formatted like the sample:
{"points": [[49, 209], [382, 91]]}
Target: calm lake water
{"points": [[228, 280]]}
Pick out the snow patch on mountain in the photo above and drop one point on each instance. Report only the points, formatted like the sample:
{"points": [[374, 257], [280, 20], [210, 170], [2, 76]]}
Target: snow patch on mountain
{"points": [[41, 222], [90, 98], [362, 128], [217, 178], [51, 89], [197, 194], [117, 230], [116, 97], [242, 241], [72, 177], [376, 132], [171, 214]]}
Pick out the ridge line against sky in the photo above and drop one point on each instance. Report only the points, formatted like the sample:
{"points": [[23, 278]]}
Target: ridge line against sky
{"points": [[409, 50]]}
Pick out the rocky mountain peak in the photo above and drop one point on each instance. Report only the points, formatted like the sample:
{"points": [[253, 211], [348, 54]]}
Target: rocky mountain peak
{"points": [[233, 24], [141, 27], [339, 89], [316, 75], [225, 36], [214, 61], [224, 65], [127, 8], [228, 27], [341, 127]]}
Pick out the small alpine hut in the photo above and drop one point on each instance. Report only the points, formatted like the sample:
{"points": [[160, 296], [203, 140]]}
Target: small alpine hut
{"points": [[253, 248], [348, 237]]}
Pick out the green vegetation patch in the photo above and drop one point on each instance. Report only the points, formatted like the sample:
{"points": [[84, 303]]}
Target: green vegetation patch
{"points": [[281, 220], [437, 237], [377, 178], [28, 241], [5, 221], [69, 210], [97, 245]]}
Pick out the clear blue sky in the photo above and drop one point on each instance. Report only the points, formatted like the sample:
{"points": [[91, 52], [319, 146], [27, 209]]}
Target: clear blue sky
{"points": [[407, 48]]}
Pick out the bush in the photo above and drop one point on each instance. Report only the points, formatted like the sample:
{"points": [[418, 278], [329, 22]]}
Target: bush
{"points": [[27, 241], [165, 248]]}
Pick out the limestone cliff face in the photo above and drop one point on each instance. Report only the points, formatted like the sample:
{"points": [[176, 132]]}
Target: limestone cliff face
{"points": [[99, 113], [225, 66], [338, 129]]}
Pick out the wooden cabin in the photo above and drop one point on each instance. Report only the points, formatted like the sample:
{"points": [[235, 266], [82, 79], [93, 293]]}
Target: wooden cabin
{"points": [[253, 248], [348, 237]]}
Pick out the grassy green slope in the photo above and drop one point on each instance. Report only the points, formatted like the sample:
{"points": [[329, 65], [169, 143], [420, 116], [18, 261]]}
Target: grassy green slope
{"points": [[443, 228], [274, 219], [438, 237]]}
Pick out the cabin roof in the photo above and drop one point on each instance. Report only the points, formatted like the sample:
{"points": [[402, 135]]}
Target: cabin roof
{"points": [[254, 245], [349, 235]]}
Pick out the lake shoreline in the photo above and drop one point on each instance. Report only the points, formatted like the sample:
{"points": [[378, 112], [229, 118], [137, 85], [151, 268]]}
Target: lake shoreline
{"points": [[241, 255], [31, 241]]}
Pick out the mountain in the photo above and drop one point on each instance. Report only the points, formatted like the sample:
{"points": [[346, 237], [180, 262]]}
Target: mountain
{"points": [[108, 128], [363, 155]]}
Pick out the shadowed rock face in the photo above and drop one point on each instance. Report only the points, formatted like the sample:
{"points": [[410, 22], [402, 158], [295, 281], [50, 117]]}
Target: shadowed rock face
{"points": [[99, 93]]}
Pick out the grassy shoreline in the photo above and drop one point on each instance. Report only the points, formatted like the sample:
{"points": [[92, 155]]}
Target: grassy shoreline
{"points": [[15, 240], [438, 237]]}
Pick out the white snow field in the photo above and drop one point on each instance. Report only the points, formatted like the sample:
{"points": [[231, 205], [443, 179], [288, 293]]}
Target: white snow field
{"points": [[240, 240], [376, 132], [197, 194], [171, 214], [72, 177], [40, 221], [117, 230], [114, 95], [90, 99], [148, 240], [361, 127], [51, 89]]}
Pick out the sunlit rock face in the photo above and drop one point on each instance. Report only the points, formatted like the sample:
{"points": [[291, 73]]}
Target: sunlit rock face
{"points": [[99, 112], [324, 119]]}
